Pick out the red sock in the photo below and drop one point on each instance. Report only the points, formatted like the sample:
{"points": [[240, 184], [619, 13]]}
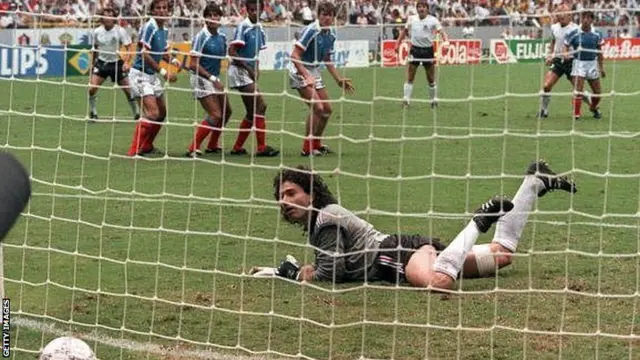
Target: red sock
{"points": [[201, 133], [243, 134], [595, 101], [316, 143], [261, 128], [140, 135], [213, 140], [307, 144], [577, 103], [155, 129]]}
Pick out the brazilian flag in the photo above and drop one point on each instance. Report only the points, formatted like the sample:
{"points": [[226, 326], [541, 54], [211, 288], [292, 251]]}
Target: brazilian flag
{"points": [[78, 60]]}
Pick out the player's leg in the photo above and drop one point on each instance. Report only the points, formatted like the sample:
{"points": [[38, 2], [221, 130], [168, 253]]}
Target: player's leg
{"points": [[256, 109], [430, 69], [568, 69], [123, 82], [594, 107], [578, 87], [148, 147], [408, 85], [212, 122], [483, 260], [422, 270], [323, 109], [94, 83], [225, 106], [550, 80], [145, 125]]}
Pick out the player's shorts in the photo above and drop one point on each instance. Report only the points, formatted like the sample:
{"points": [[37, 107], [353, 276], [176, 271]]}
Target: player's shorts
{"points": [[421, 56], [238, 77], [587, 69], [111, 70], [202, 87], [561, 67], [296, 81], [395, 252], [143, 84]]}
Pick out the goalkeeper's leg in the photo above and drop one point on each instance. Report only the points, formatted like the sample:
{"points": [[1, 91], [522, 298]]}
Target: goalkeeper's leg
{"points": [[424, 270], [484, 260]]}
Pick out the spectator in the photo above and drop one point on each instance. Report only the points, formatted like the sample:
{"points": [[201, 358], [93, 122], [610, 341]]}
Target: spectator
{"points": [[307, 14]]}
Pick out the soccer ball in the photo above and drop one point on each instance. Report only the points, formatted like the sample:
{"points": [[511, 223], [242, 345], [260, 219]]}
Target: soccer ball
{"points": [[67, 348]]}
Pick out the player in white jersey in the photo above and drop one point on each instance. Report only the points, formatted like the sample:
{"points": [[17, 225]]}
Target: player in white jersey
{"points": [[423, 28], [558, 65], [107, 63]]}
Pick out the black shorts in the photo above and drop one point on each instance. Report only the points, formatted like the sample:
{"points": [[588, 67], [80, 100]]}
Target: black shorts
{"points": [[421, 56], [395, 251], [111, 70], [561, 67]]}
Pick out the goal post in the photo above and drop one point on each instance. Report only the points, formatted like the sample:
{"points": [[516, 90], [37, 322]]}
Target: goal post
{"points": [[149, 257]]}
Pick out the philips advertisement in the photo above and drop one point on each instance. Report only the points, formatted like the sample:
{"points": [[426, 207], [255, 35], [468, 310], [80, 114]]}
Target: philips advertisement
{"points": [[32, 61]]}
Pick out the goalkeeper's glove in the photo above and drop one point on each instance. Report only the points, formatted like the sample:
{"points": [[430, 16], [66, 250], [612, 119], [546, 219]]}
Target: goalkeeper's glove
{"points": [[289, 268]]}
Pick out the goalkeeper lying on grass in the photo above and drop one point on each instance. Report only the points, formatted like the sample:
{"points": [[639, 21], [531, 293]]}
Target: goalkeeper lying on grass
{"points": [[348, 248]]}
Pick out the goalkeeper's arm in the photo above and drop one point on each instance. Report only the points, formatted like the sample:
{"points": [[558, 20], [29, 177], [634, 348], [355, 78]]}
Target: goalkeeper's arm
{"points": [[330, 264]]}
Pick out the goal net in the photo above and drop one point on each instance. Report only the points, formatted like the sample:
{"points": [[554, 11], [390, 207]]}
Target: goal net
{"points": [[148, 258]]}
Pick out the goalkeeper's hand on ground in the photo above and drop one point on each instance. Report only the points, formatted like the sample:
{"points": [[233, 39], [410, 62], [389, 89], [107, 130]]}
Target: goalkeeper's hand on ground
{"points": [[289, 268]]}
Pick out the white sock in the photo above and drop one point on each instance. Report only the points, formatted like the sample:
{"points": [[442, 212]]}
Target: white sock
{"points": [[510, 226], [451, 259], [408, 89], [92, 104], [546, 99], [432, 91], [134, 107]]}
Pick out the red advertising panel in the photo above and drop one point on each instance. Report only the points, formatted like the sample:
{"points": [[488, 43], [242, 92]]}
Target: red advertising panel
{"points": [[621, 49], [457, 52]]}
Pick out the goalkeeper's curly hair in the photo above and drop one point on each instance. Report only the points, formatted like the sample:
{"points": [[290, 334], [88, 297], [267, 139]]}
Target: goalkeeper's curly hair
{"points": [[312, 184]]}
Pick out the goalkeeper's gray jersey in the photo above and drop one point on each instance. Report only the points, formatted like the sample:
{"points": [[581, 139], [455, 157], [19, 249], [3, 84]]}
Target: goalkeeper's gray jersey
{"points": [[345, 245]]}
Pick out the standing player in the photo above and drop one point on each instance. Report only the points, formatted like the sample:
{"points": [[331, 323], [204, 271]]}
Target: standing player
{"points": [[558, 65], [107, 40], [350, 249], [152, 48], [248, 39], [587, 63], [314, 48], [422, 28], [207, 51]]}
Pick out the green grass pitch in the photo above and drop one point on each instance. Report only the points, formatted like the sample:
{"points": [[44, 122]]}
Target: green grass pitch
{"points": [[153, 250]]}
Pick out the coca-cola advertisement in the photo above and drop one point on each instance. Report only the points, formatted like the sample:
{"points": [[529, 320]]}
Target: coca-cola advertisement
{"points": [[621, 49], [456, 52]]}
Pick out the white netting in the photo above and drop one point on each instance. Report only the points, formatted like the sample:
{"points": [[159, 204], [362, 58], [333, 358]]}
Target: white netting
{"points": [[148, 258]]}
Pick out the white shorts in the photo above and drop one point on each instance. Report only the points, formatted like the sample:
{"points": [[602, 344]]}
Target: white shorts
{"points": [[202, 87], [586, 69], [298, 82], [238, 77], [143, 84]]}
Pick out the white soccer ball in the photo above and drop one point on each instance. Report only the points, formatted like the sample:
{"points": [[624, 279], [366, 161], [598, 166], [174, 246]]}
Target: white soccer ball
{"points": [[67, 348]]}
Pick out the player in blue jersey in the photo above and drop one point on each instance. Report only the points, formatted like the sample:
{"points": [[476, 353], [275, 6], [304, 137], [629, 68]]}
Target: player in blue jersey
{"points": [[152, 48], [313, 49], [248, 39], [208, 49], [585, 44]]}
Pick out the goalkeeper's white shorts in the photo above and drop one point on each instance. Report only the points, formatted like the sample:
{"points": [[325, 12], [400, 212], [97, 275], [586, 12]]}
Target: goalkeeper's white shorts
{"points": [[586, 69], [296, 81], [238, 77], [143, 84], [202, 87]]}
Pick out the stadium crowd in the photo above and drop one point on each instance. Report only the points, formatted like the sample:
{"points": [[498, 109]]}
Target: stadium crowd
{"points": [[468, 13]]}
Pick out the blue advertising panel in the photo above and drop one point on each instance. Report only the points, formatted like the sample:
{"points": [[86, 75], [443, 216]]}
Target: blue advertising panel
{"points": [[32, 61]]}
